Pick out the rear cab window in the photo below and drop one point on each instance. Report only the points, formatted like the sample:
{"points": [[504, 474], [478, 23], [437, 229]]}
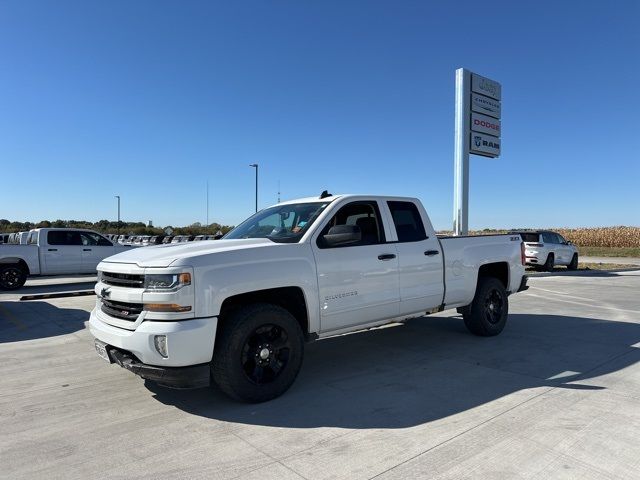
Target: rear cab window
{"points": [[407, 221]]}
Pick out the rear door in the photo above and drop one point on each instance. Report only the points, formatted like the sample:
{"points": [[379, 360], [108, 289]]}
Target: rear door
{"points": [[565, 251], [358, 283], [420, 261], [63, 252]]}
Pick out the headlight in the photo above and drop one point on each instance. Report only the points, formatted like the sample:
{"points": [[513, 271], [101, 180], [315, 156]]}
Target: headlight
{"points": [[168, 281]]}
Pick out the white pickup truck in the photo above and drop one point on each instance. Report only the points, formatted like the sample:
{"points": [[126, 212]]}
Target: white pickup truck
{"points": [[53, 251], [239, 310]]}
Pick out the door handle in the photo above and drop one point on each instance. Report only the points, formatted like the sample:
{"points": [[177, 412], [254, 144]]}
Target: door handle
{"points": [[86, 249], [52, 249], [430, 253], [386, 256]]}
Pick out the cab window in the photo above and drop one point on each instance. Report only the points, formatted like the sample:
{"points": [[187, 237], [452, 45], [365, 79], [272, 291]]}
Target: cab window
{"points": [[93, 239], [63, 237], [406, 219], [364, 215]]}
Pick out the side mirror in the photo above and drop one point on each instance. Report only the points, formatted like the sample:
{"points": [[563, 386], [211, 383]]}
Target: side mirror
{"points": [[342, 235]]}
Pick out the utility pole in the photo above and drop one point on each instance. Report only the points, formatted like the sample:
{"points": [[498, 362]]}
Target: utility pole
{"points": [[118, 197], [255, 165], [207, 203]]}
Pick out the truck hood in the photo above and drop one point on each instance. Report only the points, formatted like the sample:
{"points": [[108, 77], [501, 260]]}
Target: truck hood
{"points": [[165, 255]]}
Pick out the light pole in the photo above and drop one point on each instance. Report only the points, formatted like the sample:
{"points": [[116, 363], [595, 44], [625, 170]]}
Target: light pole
{"points": [[118, 197], [255, 165]]}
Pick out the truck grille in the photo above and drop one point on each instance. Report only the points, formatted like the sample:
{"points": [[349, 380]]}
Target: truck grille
{"points": [[123, 280], [125, 311]]}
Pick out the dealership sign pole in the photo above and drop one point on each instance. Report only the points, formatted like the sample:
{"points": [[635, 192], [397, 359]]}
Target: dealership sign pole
{"points": [[477, 131]]}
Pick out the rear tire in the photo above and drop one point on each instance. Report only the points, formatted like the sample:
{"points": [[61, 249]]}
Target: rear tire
{"points": [[548, 265], [12, 277], [488, 312], [258, 353], [574, 263]]}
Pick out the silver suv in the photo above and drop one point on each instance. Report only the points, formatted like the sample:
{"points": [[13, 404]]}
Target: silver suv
{"points": [[545, 249]]}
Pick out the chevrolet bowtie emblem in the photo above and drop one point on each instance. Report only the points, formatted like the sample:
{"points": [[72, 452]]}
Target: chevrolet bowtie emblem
{"points": [[104, 293]]}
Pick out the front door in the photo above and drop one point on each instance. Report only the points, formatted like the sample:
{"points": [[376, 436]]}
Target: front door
{"points": [[95, 248], [358, 283]]}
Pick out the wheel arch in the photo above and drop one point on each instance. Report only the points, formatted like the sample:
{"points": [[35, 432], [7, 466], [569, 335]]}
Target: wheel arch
{"points": [[16, 261], [290, 298], [499, 270]]}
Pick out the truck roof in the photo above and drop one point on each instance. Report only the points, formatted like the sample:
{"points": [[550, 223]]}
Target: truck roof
{"points": [[332, 198]]}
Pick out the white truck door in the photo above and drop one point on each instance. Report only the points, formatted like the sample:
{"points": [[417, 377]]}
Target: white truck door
{"points": [[420, 259], [357, 283], [95, 248], [62, 254]]}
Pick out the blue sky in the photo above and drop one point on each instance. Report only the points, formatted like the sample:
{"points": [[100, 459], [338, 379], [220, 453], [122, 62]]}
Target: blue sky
{"points": [[150, 99]]}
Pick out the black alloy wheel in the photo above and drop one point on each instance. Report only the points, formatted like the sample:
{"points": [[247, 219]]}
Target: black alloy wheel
{"points": [[258, 352], [12, 277], [265, 354], [487, 314], [493, 305]]}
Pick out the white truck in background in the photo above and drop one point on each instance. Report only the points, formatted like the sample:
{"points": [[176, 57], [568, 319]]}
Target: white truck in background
{"points": [[54, 251], [239, 310]]}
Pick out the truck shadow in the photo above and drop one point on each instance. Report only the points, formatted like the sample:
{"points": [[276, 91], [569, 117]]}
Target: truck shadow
{"points": [[37, 319], [428, 369], [53, 288]]}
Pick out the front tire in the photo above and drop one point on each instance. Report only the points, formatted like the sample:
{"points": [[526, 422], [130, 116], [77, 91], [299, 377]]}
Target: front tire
{"points": [[258, 353], [488, 312], [12, 277], [574, 262], [548, 265]]}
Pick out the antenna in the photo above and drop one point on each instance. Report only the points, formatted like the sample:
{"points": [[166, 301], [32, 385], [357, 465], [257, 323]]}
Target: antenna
{"points": [[278, 191], [207, 203]]}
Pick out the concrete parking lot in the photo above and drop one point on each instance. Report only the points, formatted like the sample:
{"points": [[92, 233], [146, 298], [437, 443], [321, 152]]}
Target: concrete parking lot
{"points": [[557, 395]]}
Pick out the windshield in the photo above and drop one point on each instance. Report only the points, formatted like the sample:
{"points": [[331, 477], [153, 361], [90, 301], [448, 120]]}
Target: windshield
{"points": [[282, 223]]}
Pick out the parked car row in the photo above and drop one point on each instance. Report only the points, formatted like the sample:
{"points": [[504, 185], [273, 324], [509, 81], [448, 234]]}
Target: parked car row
{"points": [[18, 238], [145, 240]]}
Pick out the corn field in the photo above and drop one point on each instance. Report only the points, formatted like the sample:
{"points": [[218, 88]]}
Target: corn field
{"points": [[618, 237], [602, 237]]}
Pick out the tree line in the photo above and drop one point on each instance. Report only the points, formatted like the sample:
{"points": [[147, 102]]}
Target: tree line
{"points": [[107, 226]]}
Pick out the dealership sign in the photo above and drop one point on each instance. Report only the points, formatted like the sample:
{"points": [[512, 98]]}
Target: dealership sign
{"points": [[485, 105], [487, 87], [485, 124], [478, 130], [484, 109], [485, 144]]}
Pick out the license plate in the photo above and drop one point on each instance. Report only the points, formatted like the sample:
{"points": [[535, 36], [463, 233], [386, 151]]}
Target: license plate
{"points": [[101, 348]]}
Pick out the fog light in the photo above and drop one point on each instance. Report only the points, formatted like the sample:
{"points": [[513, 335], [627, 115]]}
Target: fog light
{"points": [[160, 342]]}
